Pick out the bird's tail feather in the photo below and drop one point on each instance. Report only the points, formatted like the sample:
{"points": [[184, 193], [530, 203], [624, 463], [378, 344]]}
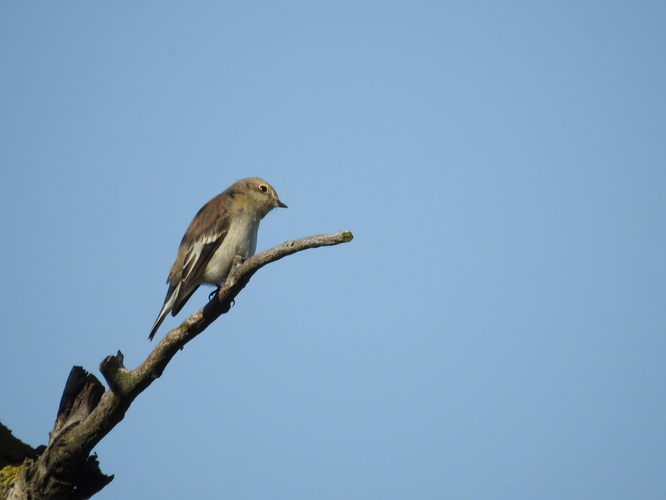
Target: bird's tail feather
{"points": [[158, 322], [168, 305]]}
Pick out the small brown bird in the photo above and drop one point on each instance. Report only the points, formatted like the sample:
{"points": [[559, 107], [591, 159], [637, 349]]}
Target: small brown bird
{"points": [[226, 226]]}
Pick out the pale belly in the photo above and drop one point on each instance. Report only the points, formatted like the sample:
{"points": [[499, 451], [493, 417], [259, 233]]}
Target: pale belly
{"points": [[240, 240]]}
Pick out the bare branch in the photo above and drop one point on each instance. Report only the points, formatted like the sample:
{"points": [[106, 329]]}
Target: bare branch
{"points": [[66, 469]]}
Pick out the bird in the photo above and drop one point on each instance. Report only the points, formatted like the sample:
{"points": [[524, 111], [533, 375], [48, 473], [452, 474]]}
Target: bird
{"points": [[223, 228]]}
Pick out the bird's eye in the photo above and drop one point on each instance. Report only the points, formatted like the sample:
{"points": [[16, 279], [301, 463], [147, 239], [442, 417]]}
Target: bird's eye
{"points": [[263, 188]]}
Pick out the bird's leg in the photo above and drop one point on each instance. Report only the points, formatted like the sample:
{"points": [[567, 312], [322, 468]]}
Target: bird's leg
{"points": [[214, 293], [236, 261]]}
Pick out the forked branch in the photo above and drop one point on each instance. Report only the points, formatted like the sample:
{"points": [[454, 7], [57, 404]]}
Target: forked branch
{"points": [[88, 413]]}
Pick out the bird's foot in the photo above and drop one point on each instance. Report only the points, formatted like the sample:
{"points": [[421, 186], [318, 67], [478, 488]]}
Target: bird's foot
{"points": [[213, 293]]}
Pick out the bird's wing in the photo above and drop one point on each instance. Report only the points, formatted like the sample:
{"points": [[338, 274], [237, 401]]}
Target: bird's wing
{"points": [[196, 261], [202, 239]]}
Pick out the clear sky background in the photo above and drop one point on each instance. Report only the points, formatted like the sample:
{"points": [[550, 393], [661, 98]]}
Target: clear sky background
{"points": [[497, 328]]}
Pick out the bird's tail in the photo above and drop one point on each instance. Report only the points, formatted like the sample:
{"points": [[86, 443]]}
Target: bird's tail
{"points": [[168, 305], [158, 322]]}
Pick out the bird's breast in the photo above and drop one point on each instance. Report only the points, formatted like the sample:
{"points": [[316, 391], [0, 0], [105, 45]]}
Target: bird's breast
{"points": [[241, 239]]}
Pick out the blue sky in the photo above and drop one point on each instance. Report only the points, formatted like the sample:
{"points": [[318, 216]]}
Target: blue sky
{"points": [[495, 330]]}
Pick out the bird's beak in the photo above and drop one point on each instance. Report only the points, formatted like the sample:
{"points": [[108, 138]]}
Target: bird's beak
{"points": [[280, 204]]}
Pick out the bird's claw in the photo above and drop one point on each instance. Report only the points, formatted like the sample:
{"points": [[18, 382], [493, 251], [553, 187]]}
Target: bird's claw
{"points": [[212, 295]]}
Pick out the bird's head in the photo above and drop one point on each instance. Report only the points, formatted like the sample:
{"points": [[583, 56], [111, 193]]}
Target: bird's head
{"points": [[260, 194]]}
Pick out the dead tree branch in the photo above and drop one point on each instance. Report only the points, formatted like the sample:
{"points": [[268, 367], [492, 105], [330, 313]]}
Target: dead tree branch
{"points": [[66, 469]]}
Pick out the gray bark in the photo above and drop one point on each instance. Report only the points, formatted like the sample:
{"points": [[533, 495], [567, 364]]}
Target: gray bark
{"points": [[65, 469]]}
